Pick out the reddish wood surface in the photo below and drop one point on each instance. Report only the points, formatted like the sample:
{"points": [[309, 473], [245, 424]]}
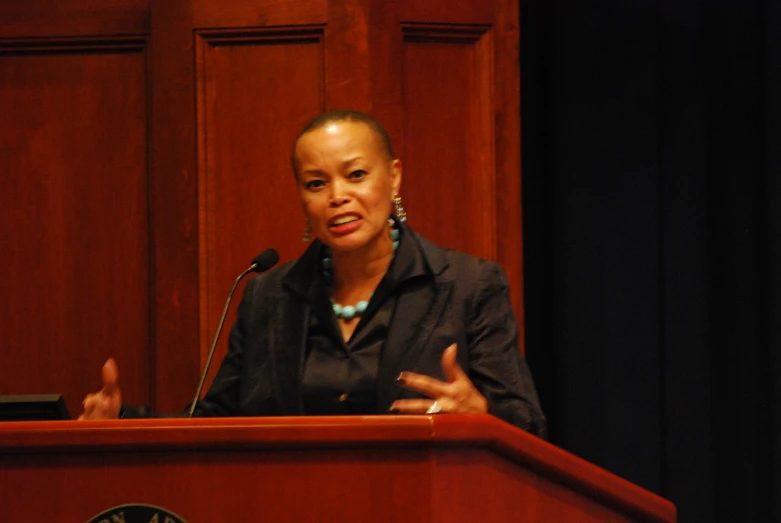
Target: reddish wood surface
{"points": [[449, 182], [73, 18], [507, 119], [74, 220], [175, 363], [383, 468]]}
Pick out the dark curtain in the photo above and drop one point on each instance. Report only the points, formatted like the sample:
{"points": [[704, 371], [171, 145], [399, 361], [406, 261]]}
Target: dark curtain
{"points": [[652, 222]]}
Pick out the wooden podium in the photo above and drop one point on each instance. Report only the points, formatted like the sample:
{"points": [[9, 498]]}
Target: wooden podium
{"points": [[306, 469]]}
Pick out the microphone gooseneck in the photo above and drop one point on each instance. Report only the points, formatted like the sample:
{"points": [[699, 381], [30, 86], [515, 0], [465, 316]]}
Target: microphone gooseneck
{"points": [[260, 263]]}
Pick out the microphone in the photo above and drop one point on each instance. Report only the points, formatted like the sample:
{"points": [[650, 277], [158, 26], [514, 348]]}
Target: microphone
{"points": [[260, 263]]}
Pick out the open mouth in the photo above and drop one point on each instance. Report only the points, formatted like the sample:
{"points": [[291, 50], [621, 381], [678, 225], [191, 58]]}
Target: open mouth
{"points": [[343, 220], [345, 224]]}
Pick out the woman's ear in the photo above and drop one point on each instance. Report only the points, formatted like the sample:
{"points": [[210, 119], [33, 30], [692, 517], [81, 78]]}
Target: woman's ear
{"points": [[396, 176]]}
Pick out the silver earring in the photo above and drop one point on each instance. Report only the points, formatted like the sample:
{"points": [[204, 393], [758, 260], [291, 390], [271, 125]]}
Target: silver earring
{"points": [[307, 232], [400, 213]]}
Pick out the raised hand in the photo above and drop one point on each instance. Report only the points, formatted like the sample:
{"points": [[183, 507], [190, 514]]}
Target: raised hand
{"points": [[457, 395], [107, 403]]}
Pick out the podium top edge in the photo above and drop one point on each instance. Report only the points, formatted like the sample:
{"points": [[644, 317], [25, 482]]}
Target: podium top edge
{"points": [[429, 432]]}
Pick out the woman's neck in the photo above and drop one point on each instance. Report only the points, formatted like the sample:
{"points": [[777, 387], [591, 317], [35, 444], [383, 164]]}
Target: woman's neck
{"points": [[362, 267]]}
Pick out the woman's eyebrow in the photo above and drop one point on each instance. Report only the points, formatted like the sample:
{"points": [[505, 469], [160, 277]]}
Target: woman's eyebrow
{"points": [[313, 171], [351, 160]]}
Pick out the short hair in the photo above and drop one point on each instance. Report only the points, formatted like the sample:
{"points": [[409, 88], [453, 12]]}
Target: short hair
{"points": [[345, 115]]}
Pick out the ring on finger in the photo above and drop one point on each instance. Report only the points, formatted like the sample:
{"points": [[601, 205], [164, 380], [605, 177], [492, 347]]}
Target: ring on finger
{"points": [[435, 408]]}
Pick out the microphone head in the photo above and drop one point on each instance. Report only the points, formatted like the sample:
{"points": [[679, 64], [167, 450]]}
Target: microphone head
{"points": [[265, 260]]}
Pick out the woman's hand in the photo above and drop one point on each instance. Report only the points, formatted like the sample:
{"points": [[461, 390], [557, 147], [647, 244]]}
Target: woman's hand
{"points": [[107, 403], [458, 395]]}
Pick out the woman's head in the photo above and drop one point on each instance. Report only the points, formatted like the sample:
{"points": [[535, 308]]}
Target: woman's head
{"points": [[347, 176]]}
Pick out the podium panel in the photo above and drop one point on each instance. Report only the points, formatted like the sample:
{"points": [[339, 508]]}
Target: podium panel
{"points": [[347, 469]]}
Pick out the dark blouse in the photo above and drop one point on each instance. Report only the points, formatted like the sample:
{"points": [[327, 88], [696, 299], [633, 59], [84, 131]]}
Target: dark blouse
{"points": [[341, 377]]}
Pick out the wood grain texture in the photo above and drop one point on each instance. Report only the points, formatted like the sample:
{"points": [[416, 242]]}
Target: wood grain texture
{"points": [[266, 14], [449, 168], [74, 221], [384, 468], [507, 120], [448, 12], [73, 18], [174, 202], [256, 90], [283, 486]]}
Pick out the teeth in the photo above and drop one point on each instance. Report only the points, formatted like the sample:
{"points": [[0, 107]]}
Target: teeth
{"points": [[343, 220]]}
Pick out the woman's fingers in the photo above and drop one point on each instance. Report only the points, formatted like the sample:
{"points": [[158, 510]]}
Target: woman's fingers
{"points": [[417, 406], [457, 395], [110, 375], [427, 385], [89, 406], [107, 403], [451, 367]]}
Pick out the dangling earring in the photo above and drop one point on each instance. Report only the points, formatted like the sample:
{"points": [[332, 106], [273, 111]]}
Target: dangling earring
{"points": [[307, 232], [400, 213]]}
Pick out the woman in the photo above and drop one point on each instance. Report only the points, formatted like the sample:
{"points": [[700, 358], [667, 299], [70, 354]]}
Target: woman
{"points": [[372, 318]]}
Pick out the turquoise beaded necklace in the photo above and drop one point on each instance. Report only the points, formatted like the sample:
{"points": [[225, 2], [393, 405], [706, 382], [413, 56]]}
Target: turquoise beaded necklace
{"points": [[349, 312]]}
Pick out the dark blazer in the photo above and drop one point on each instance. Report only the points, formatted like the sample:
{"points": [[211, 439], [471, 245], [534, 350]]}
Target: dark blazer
{"points": [[461, 299]]}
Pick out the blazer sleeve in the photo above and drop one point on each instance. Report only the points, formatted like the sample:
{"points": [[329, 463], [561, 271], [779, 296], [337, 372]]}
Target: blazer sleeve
{"points": [[496, 366], [222, 399]]}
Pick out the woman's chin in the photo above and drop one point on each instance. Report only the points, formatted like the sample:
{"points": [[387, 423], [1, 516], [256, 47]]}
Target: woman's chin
{"points": [[346, 244], [350, 242]]}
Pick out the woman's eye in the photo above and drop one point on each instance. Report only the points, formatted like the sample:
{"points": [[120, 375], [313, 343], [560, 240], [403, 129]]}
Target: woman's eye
{"points": [[314, 184], [360, 173]]}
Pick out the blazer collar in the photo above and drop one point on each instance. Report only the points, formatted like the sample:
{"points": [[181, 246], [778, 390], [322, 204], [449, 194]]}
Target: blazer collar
{"points": [[301, 276], [417, 255], [422, 301], [431, 255]]}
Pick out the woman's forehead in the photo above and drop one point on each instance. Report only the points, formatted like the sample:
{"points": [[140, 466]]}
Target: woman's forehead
{"points": [[340, 138]]}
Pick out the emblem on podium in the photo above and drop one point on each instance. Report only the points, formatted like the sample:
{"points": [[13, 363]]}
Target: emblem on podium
{"points": [[136, 513]]}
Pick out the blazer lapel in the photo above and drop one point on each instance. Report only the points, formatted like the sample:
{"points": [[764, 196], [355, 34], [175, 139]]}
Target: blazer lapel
{"points": [[288, 347], [291, 325], [420, 306], [418, 312]]}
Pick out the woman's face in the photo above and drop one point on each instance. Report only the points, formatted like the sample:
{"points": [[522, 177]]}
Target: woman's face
{"points": [[346, 183]]}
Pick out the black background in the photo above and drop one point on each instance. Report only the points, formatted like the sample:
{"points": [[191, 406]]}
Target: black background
{"points": [[652, 243]]}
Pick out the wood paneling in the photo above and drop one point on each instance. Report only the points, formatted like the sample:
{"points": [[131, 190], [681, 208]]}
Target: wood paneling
{"points": [[241, 13], [449, 12], [174, 196], [449, 166], [506, 93], [256, 90], [47, 19], [395, 468], [74, 220]]}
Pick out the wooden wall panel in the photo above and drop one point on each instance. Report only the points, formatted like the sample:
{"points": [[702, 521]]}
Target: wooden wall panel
{"points": [[449, 154], [491, 115], [174, 203], [47, 18], [258, 14], [256, 90], [75, 288]]}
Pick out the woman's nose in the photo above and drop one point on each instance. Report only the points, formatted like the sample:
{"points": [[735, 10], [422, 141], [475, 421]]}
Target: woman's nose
{"points": [[338, 194]]}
